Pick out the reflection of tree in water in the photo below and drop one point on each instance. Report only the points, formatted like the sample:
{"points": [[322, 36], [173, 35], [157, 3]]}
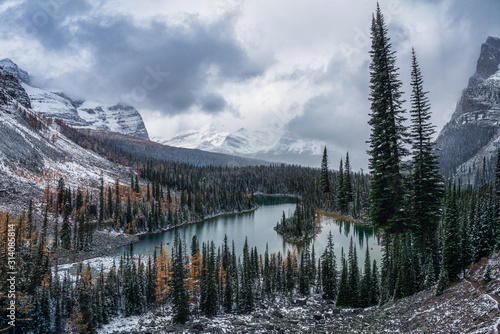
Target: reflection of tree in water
{"points": [[274, 200], [362, 232]]}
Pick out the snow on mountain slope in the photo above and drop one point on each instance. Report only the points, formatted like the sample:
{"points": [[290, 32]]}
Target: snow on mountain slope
{"points": [[77, 113], [271, 144], [18, 73], [34, 155], [207, 136], [468, 143]]}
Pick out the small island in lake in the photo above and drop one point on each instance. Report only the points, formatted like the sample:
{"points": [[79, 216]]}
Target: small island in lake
{"points": [[301, 226]]}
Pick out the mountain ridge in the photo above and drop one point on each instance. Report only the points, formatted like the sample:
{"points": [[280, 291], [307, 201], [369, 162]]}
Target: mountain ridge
{"points": [[468, 143], [271, 144], [79, 113]]}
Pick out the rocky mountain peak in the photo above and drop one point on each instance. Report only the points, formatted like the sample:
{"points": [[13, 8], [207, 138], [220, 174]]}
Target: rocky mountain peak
{"points": [[469, 142], [488, 62], [11, 67], [9, 85]]}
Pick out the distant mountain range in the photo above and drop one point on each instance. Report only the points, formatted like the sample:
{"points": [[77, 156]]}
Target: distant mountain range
{"points": [[271, 144], [468, 144]]}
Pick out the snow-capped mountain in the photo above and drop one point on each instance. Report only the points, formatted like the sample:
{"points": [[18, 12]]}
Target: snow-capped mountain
{"points": [[271, 144], [34, 154], [470, 141], [77, 113]]}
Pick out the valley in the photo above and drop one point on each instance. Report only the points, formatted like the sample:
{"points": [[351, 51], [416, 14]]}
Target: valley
{"points": [[107, 229]]}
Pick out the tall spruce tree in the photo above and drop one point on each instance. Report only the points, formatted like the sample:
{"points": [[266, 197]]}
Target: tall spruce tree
{"points": [[324, 179], [343, 294], [353, 276], [365, 295], [180, 298], [66, 228], [427, 183], [388, 134], [497, 199], [451, 251], [329, 270]]}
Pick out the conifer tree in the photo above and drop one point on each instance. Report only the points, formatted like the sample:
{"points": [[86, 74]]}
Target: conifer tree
{"points": [[346, 195], [427, 185], [443, 281], [324, 178], [66, 228], [353, 276], [388, 133], [329, 270], [304, 271], [180, 298], [101, 199], [343, 291], [497, 200], [117, 201], [451, 251], [375, 291], [485, 229], [365, 295]]}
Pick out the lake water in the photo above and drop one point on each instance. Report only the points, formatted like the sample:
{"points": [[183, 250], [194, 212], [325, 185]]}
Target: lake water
{"points": [[257, 227]]}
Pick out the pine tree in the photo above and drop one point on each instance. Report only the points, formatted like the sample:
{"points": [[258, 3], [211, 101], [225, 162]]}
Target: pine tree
{"points": [[343, 291], [329, 270], [110, 202], [324, 178], [247, 292], [346, 191], [497, 200], [365, 296], [353, 276], [180, 298], [375, 291], [443, 281], [451, 250], [427, 184], [117, 202], [304, 271], [485, 229], [101, 200], [388, 132], [66, 228], [430, 276]]}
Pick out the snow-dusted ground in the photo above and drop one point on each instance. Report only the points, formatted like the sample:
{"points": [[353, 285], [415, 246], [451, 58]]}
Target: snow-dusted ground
{"points": [[463, 308]]}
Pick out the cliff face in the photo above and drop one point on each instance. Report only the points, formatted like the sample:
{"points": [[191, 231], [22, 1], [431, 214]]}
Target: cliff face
{"points": [[9, 85], [468, 144]]}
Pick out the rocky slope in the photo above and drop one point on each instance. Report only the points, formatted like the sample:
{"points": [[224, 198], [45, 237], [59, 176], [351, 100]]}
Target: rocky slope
{"points": [[34, 154], [78, 113], [10, 86], [472, 137]]}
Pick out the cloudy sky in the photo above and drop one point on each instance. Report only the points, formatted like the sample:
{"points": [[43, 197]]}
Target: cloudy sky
{"points": [[300, 65]]}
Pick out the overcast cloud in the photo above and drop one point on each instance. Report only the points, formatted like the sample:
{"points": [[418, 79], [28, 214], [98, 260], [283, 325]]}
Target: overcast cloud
{"points": [[301, 65]]}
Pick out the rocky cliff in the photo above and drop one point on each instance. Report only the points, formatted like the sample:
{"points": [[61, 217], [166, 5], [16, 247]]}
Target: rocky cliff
{"points": [[469, 143]]}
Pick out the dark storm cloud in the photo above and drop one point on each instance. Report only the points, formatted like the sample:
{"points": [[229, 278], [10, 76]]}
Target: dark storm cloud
{"points": [[43, 19], [161, 66], [213, 102]]}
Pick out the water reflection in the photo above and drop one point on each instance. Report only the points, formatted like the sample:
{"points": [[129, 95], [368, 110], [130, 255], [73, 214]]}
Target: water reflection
{"points": [[258, 225]]}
